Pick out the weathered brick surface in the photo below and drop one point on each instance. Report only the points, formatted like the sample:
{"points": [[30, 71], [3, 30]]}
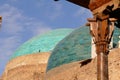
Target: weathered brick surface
{"points": [[28, 67], [24, 72], [77, 71], [72, 71], [36, 58]]}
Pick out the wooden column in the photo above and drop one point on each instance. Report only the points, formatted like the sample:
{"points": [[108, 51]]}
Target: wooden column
{"points": [[101, 30]]}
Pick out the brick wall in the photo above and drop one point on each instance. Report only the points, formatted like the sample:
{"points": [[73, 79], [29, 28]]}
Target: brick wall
{"points": [[28, 67]]}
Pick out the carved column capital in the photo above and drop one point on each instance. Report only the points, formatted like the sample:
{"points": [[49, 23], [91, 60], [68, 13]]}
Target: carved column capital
{"points": [[101, 31]]}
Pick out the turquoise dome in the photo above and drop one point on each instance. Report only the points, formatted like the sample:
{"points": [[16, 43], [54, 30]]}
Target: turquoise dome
{"points": [[75, 47], [42, 43]]}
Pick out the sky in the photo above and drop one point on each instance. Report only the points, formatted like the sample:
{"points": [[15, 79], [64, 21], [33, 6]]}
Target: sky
{"points": [[24, 19]]}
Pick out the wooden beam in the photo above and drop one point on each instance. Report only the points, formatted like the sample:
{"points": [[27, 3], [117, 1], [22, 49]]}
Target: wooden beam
{"points": [[94, 4], [83, 3], [103, 7]]}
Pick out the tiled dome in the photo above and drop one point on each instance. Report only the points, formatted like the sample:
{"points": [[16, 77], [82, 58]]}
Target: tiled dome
{"points": [[42, 43], [75, 47]]}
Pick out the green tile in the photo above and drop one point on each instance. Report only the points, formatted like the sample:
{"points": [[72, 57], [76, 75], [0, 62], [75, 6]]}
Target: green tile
{"points": [[43, 43]]}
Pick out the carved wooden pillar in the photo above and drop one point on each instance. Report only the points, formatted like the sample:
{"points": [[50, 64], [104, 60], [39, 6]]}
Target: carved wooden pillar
{"points": [[101, 30]]}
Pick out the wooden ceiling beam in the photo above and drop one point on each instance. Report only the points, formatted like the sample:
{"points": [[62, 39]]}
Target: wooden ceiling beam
{"points": [[83, 3]]}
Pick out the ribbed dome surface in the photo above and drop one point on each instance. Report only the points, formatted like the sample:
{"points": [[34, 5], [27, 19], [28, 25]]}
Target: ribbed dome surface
{"points": [[75, 47], [42, 43]]}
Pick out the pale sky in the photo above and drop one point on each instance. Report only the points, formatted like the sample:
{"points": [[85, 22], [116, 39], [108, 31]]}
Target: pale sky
{"points": [[24, 19]]}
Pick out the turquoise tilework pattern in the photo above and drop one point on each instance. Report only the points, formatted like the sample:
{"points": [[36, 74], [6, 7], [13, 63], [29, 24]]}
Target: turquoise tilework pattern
{"points": [[76, 46], [42, 43]]}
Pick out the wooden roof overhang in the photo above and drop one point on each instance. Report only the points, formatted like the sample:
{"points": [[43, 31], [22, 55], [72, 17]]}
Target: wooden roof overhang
{"points": [[97, 6], [83, 3], [90, 4]]}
